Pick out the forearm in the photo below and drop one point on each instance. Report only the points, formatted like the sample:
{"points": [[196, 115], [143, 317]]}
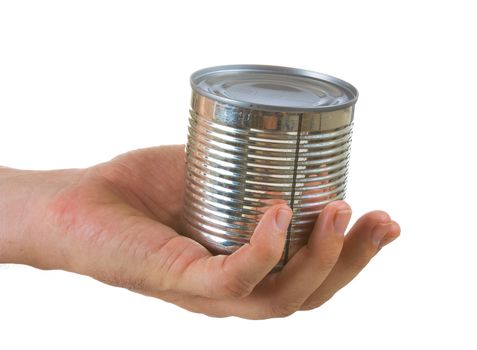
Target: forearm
{"points": [[13, 204], [26, 235]]}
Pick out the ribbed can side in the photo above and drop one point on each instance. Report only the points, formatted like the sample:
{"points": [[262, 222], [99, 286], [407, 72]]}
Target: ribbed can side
{"points": [[233, 175], [322, 168], [240, 162]]}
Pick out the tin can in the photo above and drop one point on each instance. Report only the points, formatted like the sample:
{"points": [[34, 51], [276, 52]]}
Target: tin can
{"points": [[258, 136]]}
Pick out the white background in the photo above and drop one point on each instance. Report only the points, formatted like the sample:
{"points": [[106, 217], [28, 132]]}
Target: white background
{"points": [[82, 81]]}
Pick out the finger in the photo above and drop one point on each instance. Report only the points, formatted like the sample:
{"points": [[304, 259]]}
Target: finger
{"points": [[309, 267], [283, 293], [235, 275], [361, 245], [391, 235]]}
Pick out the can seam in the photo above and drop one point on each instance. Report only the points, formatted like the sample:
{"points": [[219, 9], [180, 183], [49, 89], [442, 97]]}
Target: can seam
{"points": [[292, 196]]}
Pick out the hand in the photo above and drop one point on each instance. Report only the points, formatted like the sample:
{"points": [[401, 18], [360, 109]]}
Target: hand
{"points": [[119, 222]]}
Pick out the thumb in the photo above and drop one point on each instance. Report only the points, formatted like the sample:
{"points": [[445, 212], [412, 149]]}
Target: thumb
{"points": [[237, 274]]}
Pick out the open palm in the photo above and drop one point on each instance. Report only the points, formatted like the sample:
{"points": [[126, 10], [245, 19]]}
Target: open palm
{"points": [[120, 223]]}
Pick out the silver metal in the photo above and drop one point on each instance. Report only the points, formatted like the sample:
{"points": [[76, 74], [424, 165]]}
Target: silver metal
{"points": [[244, 156], [273, 88]]}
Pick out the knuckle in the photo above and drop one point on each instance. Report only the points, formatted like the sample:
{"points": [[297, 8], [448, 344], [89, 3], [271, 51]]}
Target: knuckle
{"points": [[328, 261], [236, 287], [325, 297], [268, 252], [316, 303], [309, 306], [114, 171], [284, 309], [271, 254], [167, 259], [358, 264], [380, 216], [312, 306], [356, 261]]}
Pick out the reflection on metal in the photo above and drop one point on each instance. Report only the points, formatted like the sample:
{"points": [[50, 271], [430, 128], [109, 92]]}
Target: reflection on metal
{"points": [[240, 161]]}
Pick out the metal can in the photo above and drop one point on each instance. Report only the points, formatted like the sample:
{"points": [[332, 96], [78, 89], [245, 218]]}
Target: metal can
{"points": [[258, 136]]}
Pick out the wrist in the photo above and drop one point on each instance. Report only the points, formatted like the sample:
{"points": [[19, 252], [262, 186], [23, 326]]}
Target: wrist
{"points": [[26, 237]]}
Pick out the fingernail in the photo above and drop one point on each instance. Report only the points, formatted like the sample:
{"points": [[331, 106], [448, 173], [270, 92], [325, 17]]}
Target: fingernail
{"points": [[282, 219], [379, 231], [341, 220], [386, 240]]}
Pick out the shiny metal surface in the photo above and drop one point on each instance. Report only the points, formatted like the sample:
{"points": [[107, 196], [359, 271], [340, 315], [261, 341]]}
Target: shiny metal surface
{"points": [[242, 160], [273, 88]]}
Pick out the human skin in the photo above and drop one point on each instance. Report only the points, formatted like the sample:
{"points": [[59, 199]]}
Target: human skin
{"points": [[120, 222]]}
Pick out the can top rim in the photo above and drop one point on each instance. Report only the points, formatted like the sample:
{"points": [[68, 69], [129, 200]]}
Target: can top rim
{"points": [[273, 88]]}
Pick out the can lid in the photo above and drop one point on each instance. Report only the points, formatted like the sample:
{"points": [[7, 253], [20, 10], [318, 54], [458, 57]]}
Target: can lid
{"points": [[273, 88]]}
